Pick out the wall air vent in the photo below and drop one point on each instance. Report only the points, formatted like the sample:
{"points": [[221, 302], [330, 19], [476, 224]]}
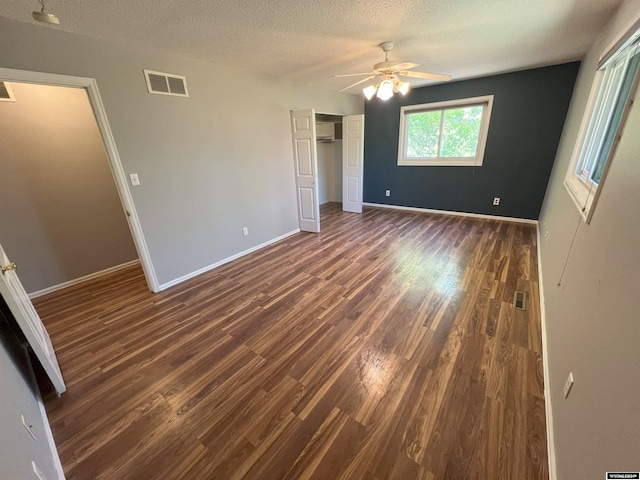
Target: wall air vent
{"points": [[166, 83], [6, 95]]}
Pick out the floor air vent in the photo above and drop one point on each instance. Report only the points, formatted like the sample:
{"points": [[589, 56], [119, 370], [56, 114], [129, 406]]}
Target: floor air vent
{"points": [[520, 300], [6, 95], [166, 83]]}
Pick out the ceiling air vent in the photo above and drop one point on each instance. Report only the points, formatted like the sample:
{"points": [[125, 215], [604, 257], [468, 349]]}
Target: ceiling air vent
{"points": [[6, 95], [166, 83]]}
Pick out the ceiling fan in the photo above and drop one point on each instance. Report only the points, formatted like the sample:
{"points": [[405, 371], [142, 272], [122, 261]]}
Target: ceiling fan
{"points": [[389, 71]]}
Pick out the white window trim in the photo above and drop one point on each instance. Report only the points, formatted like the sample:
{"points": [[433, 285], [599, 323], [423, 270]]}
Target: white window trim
{"points": [[583, 191], [446, 161]]}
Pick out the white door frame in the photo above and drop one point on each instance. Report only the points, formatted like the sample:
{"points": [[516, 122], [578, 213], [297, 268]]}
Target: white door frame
{"points": [[115, 164]]}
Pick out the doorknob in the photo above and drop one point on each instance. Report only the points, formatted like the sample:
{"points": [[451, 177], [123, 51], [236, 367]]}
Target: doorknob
{"points": [[6, 268]]}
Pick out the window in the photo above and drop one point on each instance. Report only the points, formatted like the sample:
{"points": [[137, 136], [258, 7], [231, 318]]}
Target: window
{"points": [[450, 133], [602, 126]]}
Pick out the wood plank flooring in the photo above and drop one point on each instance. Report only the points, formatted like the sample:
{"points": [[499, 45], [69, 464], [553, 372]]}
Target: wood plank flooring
{"points": [[385, 347]]}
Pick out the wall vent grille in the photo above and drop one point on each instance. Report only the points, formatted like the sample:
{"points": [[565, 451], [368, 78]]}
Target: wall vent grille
{"points": [[166, 84], [6, 95]]}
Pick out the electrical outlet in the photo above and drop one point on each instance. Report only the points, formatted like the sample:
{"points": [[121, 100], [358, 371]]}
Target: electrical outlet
{"points": [[245, 231], [36, 471], [387, 193], [28, 427], [134, 179], [568, 384], [546, 235], [496, 200]]}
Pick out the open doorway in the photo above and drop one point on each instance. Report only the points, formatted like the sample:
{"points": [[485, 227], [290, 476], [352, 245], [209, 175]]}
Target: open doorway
{"points": [[59, 197], [328, 151], [87, 88]]}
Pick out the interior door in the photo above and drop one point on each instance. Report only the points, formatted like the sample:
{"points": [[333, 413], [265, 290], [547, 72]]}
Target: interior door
{"points": [[303, 128], [27, 318], [352, 162]]}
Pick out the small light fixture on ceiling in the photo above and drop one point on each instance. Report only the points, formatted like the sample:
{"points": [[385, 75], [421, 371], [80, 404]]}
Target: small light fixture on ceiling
{"points": [[370, 91], [402, 87], [386, 89], [44, 17]]}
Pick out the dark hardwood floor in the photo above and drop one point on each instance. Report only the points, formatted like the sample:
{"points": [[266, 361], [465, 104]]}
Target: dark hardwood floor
{"points": [[385, 347]]}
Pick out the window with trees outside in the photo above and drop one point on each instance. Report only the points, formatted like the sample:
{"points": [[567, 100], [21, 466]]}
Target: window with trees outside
{"points": [[451, 133], [611, 96]]}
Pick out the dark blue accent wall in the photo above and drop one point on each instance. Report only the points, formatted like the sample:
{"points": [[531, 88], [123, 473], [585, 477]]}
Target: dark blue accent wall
{"points": [[529, 110]]}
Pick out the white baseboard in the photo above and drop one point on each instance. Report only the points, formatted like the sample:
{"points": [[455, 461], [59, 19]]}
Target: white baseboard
{"points": [[50, 440], [188, 276], [76, 281], [551, 449], [55, 457], [450, 212]]}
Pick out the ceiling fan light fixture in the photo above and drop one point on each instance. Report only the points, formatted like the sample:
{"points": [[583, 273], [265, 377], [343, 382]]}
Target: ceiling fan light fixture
{"points": [[388, 73], [44, 17], [369, 91], [385, 90], [403, 87]]}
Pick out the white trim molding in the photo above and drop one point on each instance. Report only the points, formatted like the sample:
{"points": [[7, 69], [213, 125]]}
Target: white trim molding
{"points": [[202, 270], [115, 164], [55, 457], [551, 446], [82, 279], [451, 212], [50, 440]]}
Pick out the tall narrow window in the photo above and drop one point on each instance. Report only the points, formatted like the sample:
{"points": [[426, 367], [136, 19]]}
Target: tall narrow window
{"points": [[611, 93]]}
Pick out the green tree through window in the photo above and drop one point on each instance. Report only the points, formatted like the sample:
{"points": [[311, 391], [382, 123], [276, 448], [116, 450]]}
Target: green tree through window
{"points": [[450, 133], [424, 131]]}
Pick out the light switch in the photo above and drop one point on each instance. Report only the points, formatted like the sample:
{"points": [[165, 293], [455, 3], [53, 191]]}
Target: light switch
{"points": [[568, 384], [28, 427], [36, 471], [134, 179]]}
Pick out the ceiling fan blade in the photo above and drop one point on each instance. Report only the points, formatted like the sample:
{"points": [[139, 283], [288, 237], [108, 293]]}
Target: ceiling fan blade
{"points": [[405, 66], [428, 76], [357, 83], [351, 75]]}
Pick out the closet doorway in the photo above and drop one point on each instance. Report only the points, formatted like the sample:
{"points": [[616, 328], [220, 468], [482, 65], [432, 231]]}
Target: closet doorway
{"points": [[328, 155]]}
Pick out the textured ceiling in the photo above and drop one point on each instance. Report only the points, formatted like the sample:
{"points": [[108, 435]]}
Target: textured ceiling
{"points": [[308, 40]]}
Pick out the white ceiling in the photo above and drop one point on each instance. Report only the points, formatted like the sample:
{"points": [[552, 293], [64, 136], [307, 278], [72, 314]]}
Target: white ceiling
{"points": [[309, 40]]}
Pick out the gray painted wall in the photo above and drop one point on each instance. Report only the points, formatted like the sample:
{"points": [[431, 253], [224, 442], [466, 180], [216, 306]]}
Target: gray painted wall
{"points": [[337, 171], [209, 164], [18, 397], [59, 209], [593, 319], [329, 171]]}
